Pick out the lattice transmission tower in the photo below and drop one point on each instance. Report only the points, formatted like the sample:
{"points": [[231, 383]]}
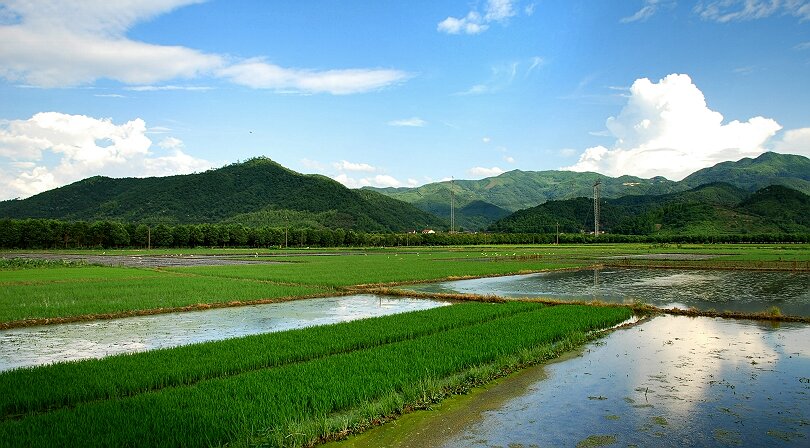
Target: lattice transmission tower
{"points": [[596, 187]]}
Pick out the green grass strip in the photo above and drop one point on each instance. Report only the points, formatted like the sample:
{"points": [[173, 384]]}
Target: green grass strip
{"points": [[121, 295], [217, 411], [68, 384]]}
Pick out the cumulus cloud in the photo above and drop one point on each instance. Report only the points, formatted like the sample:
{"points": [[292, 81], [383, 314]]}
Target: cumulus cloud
{"points": [[379, 180], [171, 143], [345, 165], [475, 22], [649, 8], [740, 10], [794, 141], [64, 44], [666, 129], [480, 171], [82, 146], [415, 122]]}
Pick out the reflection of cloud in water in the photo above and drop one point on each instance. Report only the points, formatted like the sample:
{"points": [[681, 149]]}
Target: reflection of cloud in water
{"points": [[673, 381], [676, 280]]}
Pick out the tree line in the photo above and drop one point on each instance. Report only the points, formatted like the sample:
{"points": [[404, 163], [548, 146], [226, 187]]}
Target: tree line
{"points": [[56, 234]]}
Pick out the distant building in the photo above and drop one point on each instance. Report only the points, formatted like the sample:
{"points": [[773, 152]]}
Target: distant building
{"points": [[428, 231]]}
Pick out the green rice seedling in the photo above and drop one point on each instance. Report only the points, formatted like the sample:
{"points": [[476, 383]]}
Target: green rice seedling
{"points": [[219, 410], [68, 384]]}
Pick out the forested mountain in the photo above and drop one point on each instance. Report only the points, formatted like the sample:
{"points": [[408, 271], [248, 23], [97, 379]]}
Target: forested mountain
{"points": [[517, 189], [256, 190], [480, 202], [770, 168], [712, 209]]}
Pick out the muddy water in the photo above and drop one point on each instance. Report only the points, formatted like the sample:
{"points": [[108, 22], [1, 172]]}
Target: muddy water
{"points": [[673, 381], [743, 291], [47, 344]]}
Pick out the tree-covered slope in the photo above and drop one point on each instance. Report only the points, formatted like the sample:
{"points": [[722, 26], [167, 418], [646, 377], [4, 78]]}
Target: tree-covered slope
{"points": [[792, 171], [716, 208], [219, 195], [517, 190]]}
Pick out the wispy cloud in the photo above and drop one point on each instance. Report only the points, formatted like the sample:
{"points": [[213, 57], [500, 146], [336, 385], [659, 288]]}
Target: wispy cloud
{"points": [[69, 44], [414, 122], [167, 88], [475, 22], [503, 75], [802, 46], [724, 11], [649, 9]]}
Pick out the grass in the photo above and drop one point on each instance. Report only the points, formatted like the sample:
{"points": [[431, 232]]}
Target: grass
{"points": [[68, 384], [100, 291], [264, 403]]}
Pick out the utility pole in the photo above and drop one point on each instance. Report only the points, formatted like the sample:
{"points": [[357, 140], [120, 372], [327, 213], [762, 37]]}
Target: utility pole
{"points": [[596, 208], [558, 233], [149, 238], [452, 207]]}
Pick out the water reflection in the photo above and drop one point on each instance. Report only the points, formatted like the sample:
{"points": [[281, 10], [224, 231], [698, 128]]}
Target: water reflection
{"points": [[47, 344], [744, 291], [674, 381]]}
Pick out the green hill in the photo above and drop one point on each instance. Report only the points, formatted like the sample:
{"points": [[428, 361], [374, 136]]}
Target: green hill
{"points": [[258, 190], [516, 190], [770, 168], [710, 209]]}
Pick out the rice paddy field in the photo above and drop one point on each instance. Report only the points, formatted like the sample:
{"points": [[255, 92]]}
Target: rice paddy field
{"points": [[298, 387]]}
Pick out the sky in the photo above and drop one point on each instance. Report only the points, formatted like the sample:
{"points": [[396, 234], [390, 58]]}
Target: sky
{"points": [[397, 93]]}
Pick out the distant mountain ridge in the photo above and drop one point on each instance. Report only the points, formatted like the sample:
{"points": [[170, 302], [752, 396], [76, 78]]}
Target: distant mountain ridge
{"points": [[516, 190], [711, 209], [258, 189]]}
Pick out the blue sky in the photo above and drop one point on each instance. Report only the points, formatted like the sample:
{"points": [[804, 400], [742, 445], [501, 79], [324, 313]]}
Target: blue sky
{"points": [[395, 93]]}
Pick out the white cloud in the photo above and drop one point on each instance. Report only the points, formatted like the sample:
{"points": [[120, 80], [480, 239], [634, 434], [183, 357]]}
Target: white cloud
{"points": [[480, 171], [380, 180], [666, 129], [476, 23], [724, 11], [648, 10], [64, 44], [344, 165], [568, 152], [171, 143], [83, 146], [802, 46], [167, 88], [259, 74], [509, 159], [794, 141], [486, 139], [408, 122], [313, 165]]}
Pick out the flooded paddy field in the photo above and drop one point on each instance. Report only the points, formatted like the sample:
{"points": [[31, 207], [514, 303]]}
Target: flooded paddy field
{"points": [[719, 290], [672, 381], [31, 346]]}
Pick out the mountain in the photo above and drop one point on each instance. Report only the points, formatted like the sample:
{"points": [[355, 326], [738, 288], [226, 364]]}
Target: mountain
{"points": [[517, 189], [711, 209], [257, 191], [770, 168]]}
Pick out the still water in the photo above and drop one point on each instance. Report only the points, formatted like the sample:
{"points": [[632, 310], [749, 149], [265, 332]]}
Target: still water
{"points": [[669, 382], [32, 346], [743, 291]]}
